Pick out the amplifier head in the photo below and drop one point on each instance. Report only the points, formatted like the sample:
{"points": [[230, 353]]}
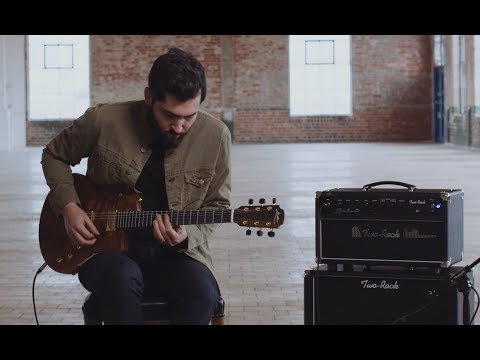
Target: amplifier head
{"points": [[420, 227]]}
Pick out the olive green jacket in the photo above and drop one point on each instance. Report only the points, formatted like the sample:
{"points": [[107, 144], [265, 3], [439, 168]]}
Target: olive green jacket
{"points": [[115, 138]]}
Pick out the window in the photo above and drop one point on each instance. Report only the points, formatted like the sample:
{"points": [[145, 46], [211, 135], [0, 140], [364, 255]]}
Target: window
{"points": [[58, 76], [320, 75]]}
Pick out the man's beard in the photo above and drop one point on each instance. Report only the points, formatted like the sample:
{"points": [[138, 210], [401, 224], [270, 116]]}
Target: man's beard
{"points": [[168, 139]]}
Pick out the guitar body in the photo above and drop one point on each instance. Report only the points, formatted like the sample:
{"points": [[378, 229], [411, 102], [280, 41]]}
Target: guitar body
{"points": [[55, 246]]}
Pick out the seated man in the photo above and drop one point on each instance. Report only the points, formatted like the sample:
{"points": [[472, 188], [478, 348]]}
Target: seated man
{"points": [[178, 157]]}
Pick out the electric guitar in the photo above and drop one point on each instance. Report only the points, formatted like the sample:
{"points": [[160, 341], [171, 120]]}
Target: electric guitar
{"points": [[113, 210]]}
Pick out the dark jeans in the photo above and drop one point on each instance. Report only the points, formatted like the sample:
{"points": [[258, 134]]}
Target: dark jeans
{"points": [[120, 282]]}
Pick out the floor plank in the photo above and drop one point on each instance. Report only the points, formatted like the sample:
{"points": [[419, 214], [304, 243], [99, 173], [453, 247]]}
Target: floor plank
{"points": [[261, 277]]}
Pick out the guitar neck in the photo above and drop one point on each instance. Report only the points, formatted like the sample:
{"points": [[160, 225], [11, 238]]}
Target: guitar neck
{"points": [[139, 219]]}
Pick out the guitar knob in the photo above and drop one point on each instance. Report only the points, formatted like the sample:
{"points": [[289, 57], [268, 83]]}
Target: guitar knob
{"points": [[259, 232], [250, 201], [271, 234], [262, 201], [248, 232]]}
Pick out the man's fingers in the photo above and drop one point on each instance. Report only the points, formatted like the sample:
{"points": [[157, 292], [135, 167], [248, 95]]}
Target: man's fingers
{"points": [[170, 234], [166, 221], [85, 233], [91, 227], [82, 235], [163, 230], [156, 230], [88, 232], [77, 239]]}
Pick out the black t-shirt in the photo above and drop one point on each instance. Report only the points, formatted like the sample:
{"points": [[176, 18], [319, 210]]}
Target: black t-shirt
{"points": [[151, 183]]}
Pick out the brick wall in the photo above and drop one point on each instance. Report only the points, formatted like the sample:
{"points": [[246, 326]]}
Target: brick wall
{"points": [[119, 66], [248, 82], [392, 92]]}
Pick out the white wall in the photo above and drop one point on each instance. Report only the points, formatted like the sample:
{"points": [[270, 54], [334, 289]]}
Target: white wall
{"points": [[12, 92]]}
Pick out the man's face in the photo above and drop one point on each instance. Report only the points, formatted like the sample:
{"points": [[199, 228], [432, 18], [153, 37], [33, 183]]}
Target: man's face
{"points": [[173, 118]]}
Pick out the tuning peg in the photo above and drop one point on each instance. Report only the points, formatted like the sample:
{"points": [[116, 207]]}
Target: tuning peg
{"points": [[259, 232], [262, 201], [274, 200], [250, 201], [271, 234], [248, 232]]}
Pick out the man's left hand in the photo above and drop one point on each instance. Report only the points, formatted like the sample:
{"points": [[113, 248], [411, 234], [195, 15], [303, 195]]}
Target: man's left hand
{"points": [[165, 233]]}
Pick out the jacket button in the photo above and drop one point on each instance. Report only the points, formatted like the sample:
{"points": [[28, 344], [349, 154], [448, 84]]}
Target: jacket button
{"points": [[142, 149], [201, 181], [128, 172]]}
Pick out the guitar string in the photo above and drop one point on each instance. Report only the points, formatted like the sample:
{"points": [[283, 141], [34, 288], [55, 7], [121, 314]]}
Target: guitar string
{"points": [[127, 219]]}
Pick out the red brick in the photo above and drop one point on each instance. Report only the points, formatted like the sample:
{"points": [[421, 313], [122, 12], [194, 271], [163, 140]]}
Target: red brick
{"points": [[391, 78]]}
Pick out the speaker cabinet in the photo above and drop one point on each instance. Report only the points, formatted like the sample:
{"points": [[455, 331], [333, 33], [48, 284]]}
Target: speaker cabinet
{"points": [[385, 295]]}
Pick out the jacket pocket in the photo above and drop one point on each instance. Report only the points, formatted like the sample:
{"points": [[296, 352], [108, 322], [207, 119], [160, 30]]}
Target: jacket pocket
{"points": [[196, 187], [104, 167]]}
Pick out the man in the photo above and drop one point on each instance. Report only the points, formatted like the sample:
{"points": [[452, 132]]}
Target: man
{"points": [[178, 157]]}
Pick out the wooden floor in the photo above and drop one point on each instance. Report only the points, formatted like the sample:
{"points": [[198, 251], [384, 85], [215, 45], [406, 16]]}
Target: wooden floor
{"points": [[261, 277]]}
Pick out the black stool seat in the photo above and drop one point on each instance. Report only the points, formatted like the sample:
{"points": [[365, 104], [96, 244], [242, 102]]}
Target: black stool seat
{"points": [[155, 311]]}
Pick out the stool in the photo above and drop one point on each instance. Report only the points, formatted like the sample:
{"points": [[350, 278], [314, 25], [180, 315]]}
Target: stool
{"points": [[155, 312]]}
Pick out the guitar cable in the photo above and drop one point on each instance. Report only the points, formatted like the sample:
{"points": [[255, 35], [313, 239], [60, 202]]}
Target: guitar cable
{"points": [[476, 308], [404, 318], [40, 269]]}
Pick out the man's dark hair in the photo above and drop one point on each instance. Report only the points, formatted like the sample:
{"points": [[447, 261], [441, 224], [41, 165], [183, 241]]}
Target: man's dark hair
{"points": [[179, 74]]}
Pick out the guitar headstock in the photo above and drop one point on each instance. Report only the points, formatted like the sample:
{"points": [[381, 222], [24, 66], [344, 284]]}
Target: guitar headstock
{"points": [[259, 216]]}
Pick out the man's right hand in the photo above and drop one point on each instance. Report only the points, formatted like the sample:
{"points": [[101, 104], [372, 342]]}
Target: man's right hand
{"points": [[80, 229]]}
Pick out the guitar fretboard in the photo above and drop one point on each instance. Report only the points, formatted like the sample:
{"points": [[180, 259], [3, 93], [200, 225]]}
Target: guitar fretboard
{"points": [[136, 219]]}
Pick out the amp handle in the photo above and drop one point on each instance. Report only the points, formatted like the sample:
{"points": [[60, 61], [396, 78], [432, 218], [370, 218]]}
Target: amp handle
{"points": [[387, 182]]}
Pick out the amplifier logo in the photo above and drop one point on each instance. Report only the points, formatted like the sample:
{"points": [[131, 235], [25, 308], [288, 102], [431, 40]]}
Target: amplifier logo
{"points": [[407, 233], [417, 202], [358, 232], [415, 234], [383, 285]]}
